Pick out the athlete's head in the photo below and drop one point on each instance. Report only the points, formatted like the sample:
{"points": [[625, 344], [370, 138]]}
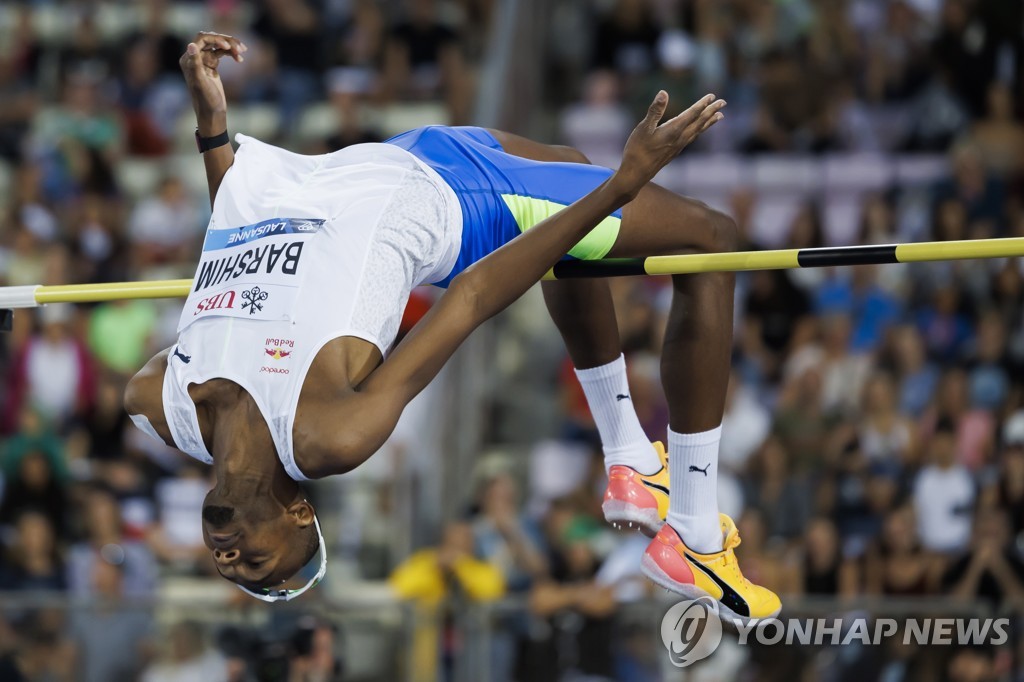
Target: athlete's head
{"points": [[258, 542]]}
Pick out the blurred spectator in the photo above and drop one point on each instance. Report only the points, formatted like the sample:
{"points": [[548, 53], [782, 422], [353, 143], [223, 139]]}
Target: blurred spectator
{"points": [[625, 39], [999, 136], [35, 486], [81, 138], [106, 544], [188, 658], [574, 605], [39, 651], [944, 495], [105, 429], [745, 426], [32, 561], [974, 428], [113, 640], [774, 312], [293, 32], [177, 537], [345, 91], [1008, 488], [872, 309], [885, 436], [54, 373], [598, 124], [918, 378], [778, 492], [802, 425], [166, 226], [424, 60], [502, 537], [824, 570], [20, 105], [991, 569], [898, 564], [763, 562], [437, 581]]}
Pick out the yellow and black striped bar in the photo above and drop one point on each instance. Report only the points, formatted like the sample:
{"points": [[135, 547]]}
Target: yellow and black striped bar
{"points": [[35, 295], [791, 258]]}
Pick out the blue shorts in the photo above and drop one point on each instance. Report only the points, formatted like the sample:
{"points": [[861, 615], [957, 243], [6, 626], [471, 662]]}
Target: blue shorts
{"points": [[504, 195]]}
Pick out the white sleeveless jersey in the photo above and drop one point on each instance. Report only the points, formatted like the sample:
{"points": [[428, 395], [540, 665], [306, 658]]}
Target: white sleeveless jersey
{"points": [[301, 250]]}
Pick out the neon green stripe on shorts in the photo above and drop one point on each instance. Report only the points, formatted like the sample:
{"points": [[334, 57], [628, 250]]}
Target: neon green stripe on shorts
{"points": [[528, 211]]}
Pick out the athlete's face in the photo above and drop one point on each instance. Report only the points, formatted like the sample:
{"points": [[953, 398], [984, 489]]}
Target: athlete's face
{"points": [[260, 544]]}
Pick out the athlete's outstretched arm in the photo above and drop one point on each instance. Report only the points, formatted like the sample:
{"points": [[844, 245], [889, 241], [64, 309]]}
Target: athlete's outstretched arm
{"points": [[199, 65], [493, 283]]}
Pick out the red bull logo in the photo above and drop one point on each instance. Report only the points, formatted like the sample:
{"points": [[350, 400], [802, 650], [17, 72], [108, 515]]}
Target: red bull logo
{"points": [[279, 348]]}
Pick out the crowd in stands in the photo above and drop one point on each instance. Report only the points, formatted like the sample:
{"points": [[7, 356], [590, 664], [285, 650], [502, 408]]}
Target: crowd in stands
{"points": [[874, 432]]}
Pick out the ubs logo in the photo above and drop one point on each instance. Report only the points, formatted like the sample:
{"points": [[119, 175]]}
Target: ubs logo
{"points": [[216, 302]]}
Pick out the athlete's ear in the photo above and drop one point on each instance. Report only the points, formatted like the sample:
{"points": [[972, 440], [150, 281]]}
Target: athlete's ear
{"points": [[302, 513]]}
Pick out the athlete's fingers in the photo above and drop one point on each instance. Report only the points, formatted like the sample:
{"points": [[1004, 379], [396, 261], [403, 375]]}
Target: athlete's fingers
{"points": [[712, 121], [656, 111], [687, 117], [220, 44], [709, 115]]}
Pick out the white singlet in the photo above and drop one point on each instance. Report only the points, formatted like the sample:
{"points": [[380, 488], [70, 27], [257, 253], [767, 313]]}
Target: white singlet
{"points": [[301, 250]]}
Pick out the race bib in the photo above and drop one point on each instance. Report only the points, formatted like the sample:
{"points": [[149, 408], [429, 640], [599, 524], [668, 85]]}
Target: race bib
{"points": [[252, 272]]}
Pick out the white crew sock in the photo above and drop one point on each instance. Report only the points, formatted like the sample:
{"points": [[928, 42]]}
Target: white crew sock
{"points": [[693, 478], [622, 438]]}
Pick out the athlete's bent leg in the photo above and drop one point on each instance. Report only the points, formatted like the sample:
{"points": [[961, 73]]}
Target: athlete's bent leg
{"points": [[693, 552], [584, 314]]}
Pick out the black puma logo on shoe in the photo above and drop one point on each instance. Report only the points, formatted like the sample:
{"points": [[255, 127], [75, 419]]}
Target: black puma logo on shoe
{"points": [[184, 358], [703, 471], [622, 396]]}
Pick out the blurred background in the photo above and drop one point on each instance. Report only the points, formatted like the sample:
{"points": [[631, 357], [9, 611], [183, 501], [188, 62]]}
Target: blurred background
{"points": [[874, 438]]}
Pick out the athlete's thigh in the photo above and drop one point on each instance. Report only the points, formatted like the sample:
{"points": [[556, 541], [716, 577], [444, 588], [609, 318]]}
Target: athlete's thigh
{"points": [[656, 222], [661, 222]]}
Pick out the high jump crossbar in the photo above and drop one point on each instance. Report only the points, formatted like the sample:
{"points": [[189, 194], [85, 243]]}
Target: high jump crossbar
{"points": [[779, 259]]}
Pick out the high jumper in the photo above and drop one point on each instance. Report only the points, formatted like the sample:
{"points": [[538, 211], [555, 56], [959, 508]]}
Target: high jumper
{"points": [[284, 368]]}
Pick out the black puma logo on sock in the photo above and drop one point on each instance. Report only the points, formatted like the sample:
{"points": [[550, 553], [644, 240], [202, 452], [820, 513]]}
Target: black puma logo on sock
{"points": [[703, 471], [184, 358], [622, 396]]}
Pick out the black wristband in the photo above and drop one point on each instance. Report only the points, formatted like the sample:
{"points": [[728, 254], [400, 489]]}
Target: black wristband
{"points": [[205, 144]]}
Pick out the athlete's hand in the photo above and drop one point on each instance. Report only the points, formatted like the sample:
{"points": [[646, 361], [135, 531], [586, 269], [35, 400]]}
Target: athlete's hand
{"points": [[653, 144], [199, 64]]}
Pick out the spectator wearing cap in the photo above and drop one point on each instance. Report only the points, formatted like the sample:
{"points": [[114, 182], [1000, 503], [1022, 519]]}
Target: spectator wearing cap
{"points": [[944, 495]]}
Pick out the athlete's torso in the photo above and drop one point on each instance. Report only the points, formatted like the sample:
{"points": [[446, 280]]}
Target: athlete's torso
{"points": [[302, 250]]}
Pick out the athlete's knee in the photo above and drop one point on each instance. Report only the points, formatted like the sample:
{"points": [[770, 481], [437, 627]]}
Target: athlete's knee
{"points": [[725, 232]]}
